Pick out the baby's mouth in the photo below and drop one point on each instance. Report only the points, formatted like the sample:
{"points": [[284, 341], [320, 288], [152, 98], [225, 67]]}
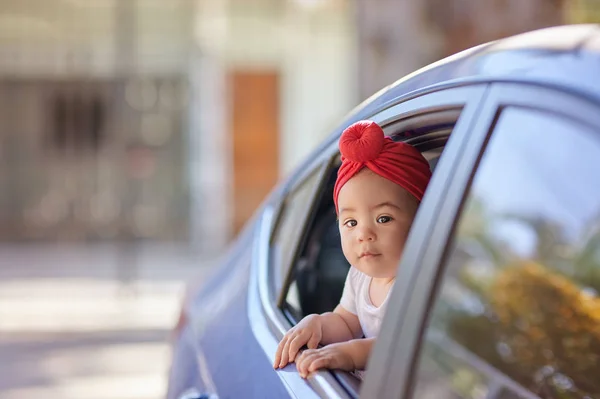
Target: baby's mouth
{"points": [[368, 255]]}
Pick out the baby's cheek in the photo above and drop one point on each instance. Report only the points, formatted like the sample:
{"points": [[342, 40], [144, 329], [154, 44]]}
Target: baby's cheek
{"points": [[401, 236], [347, 249], [396, 252]]}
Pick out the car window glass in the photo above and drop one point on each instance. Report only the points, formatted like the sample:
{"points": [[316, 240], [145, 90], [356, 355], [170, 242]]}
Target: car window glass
{"points": [[518, 311], [292, 219], [320, 269]]}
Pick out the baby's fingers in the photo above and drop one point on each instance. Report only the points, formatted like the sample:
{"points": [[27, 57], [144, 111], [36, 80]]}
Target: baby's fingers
{"points": [[305, 361], [285, 353], [279, 351], [313, 342], [321, 362], [296, 344], [301, 361]]}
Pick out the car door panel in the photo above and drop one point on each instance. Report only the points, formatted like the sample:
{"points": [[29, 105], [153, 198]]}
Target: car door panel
{"points": [[227, 347], [228, 360]]}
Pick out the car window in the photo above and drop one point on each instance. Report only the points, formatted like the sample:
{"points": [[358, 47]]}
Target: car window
{"points": [[518, 310], [291, 221]]}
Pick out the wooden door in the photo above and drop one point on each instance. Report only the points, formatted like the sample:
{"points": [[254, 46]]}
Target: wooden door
{"points": [[255, 134]]}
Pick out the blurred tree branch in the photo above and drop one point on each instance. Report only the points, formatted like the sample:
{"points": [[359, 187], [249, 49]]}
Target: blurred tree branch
{"points": [[398, 37]]}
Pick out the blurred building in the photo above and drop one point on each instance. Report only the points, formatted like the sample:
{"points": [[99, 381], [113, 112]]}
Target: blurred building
{"points": [[93, 99], [160, 119]]}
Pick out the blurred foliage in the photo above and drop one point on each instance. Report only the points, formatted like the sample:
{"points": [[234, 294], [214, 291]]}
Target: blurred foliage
{"points": [[550, 327], [539, 328], [582, 11], [540, 323]]}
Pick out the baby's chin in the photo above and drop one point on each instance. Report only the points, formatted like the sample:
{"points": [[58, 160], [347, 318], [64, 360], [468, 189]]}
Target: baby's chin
{"points": [[374, 270]]}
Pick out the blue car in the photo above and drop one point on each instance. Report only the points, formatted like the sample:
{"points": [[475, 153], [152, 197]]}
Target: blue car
{"points": [[498, 291]]}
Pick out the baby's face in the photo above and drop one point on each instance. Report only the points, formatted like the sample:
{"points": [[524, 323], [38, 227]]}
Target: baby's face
{"points": [[375, 216]]}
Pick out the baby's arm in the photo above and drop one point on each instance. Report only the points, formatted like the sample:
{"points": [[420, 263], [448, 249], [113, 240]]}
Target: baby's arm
{"points": [[339, 325], [359, 350], [331, 327], [347, 350]]}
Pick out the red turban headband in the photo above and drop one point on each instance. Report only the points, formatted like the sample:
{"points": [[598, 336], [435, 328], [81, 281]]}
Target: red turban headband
{"points": [[363, 144]]}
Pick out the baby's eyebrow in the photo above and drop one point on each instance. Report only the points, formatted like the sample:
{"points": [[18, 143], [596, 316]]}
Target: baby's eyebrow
{"points": [[346, 210], [387, 203]]}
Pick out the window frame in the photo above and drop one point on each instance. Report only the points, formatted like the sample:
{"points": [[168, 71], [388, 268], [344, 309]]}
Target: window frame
{"points": [[423, 110], [402, 339]]}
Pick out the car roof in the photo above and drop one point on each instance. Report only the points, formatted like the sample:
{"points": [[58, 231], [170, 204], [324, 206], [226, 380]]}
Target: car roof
{"points": [[564, 56]]}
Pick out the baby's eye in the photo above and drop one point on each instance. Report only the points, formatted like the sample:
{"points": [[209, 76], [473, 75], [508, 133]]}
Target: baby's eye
{"points": [[350, 223], [384, 219]]}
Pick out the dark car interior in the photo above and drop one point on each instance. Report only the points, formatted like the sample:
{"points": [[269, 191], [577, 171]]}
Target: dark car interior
{"points": [[322, 269], [320, 273]]}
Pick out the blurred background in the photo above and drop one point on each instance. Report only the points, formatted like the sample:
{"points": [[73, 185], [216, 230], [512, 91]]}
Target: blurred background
{"points": [[137, 136]]}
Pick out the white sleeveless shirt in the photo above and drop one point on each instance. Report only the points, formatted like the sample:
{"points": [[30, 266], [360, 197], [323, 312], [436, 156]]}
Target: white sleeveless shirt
{"points": [[356, 300]]}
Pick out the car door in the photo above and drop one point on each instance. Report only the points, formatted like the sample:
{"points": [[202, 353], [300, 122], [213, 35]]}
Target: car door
{"points": [[505, 303], [288, 231]]}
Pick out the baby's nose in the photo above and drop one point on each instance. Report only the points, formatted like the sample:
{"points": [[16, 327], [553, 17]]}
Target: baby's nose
{"points": [[366, 234]]}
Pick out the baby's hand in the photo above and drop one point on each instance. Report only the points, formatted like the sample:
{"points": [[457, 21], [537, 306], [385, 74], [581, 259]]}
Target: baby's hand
{"points": [[308, 332], [334, 356]]}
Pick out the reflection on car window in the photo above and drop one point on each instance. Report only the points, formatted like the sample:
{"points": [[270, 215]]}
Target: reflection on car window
{"points": [[518, 313], [292, 219]]}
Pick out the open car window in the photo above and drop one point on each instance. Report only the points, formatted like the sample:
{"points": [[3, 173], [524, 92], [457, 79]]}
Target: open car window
{"points": [[318, 270]]}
